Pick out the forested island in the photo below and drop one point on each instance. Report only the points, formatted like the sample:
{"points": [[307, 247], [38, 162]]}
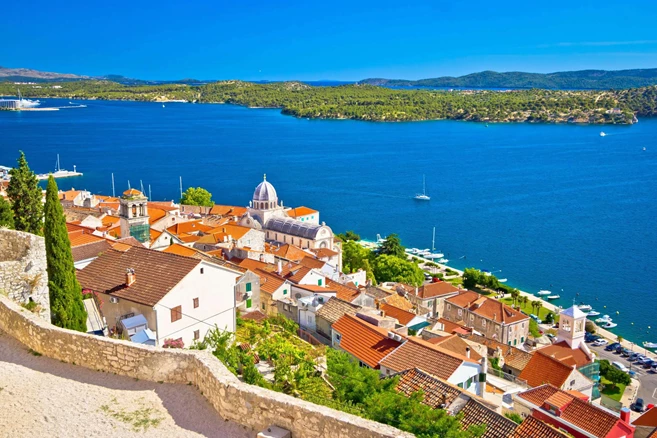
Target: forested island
{"points": [[565, 80], [372, 103]]}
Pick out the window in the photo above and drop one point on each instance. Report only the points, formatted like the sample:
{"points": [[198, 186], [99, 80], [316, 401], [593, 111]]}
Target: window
{"points": [[460, 312], [195, 302], [263, 306], [284, 291], [449, 306], [483, 322], [522, 339], [248, 287], [197, 335], [176, 313], [338, 337], [471, 317], [249, 303], [515, 341], [319, 282], [201, 270], [286, 307]]}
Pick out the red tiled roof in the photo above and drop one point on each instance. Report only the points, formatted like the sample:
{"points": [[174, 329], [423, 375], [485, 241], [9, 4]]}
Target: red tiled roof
{"points": [[80, 237], [155, 214], [288, 252], [300, 211], [324, 253], [398, 301], [232, 230], [649, 418], [180, 250], [534, 428], [269, 282], [433, 290], [342, 291], [90, 250], [403, 316], [311, 262], [497, 426], [567, 355], [156, 274], [455, 344], [416, 353], [254, 315], [189, 227], [227, 210], [542, 369], [256, 264], [133, 192], [486, 307], [368, 343], [162, 205]]}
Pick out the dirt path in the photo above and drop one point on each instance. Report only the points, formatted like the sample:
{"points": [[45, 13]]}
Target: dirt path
{"points": [[41, 397]]}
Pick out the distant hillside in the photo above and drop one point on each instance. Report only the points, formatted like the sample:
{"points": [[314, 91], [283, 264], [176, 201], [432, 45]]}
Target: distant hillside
{"points": [[580, 80], [29, 75]]}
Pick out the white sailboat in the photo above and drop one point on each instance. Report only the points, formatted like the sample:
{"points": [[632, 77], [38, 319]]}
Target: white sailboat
{"points": [[423, 196]]}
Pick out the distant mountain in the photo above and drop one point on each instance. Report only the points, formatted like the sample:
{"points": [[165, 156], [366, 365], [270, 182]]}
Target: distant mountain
{"points": [[583, 79], [29, 75]]}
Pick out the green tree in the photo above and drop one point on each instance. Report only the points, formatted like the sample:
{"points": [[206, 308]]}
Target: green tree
{"points": [[6, 214], [613, 374], [349, 235], [391, 268], [392, 246], [515, 294], [25, 196], [514, 416], [197, 196], [355, 257], [66, 306], [533, 328], [470, 278]]}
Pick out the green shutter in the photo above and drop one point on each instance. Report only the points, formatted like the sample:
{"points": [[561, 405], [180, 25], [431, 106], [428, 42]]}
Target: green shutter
{"points": [[284, 291], [248, 287], [248, 303], [319, 282]]}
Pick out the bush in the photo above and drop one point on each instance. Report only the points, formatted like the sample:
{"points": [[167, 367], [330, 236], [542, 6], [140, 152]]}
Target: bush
{"points": [[533, 328], [173, 343], [514, 416]]}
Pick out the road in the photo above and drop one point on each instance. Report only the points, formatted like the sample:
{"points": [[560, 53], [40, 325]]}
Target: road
{"points": [[648, 379]]}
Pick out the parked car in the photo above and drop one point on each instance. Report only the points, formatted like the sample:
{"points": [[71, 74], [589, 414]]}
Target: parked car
{"points": [[612, 347], [620, 366], [632, 373], [536, 318], [648, 364], [619, 349], [643, 360], [654, 367], [600, 342], [634, 356], [638, 405], [625, 352]]}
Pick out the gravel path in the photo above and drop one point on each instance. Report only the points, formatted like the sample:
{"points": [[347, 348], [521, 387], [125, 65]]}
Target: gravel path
{"points": [[42, 397]]}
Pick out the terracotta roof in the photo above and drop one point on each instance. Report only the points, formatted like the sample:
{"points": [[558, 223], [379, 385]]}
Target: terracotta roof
{"points": [[154, 234], [300, 211], [380, 294], [133, 192], [334, 308], [579, 395], [416, 353], [311, 262], [513, 357], [343, 291], [188, 238], [455, 344], [130, 241], [653, 434], [567, 355], [178, 249], [437, 392], [90, 250], [162, 205], [189, 227], [368, 343], [433, 290], [254, 315], [269, 282], [227, 210], [542, 369], [155, 214], [399, 302], [589, 417], [117, 246], [486, 307], [256, 264], [156, 274], [403, 316], [450, 327], [69, 195], [497, 426], [296, 274], [235, 231], [534, 428], [289, 252], [649, 418], [81, 237], [324, 253]]}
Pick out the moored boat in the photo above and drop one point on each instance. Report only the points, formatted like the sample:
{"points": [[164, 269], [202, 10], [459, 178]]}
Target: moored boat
{"points": [[605, 318], [609, 325], [584, 307], [553, 297], [544, 292], [592, 313], [650, 344]]}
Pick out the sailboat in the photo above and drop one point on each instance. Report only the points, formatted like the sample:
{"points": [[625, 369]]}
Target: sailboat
{"points": [[423, 196]]}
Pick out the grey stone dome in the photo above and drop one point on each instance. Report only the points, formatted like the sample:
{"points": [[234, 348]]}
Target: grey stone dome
{"points": [[265, 192]]}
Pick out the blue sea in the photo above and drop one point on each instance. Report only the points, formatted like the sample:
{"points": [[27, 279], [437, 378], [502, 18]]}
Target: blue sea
{"points": [[547, 206]]}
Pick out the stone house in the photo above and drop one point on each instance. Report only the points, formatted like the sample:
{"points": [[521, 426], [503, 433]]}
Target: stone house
{"points": [[333, 310], [430, 296]]}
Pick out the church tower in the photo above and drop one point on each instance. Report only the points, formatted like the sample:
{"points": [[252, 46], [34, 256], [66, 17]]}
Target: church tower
{"points": [[265, 205], [134, 216], [572, 324]]}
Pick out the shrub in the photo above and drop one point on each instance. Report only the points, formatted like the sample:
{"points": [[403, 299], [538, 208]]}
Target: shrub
{"points": [[173, 343]]}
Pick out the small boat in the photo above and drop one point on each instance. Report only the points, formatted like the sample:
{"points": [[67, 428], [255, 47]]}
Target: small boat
{"points": [[71, 103], [592, 313], [436, 255], [584, 307], [650, 344], [443, 261], [609, 325], [604, 319], [644, 148], [502, 280], [423, 196], [544, 292], [602, 134], [553, 297], [162, 105]]}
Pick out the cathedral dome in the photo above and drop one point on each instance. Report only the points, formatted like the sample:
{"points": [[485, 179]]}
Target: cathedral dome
{"points": [[265, 192]]}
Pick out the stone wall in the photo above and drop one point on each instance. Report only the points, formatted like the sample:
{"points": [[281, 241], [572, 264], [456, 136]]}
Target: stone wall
{"points": [[23, 275], [234, 400]]}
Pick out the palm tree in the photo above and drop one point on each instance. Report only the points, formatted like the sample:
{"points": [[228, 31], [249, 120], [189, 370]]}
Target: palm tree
{"points": [[539, 306], [514, 295]]}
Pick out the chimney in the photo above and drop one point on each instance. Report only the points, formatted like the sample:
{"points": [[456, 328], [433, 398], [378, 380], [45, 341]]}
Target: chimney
{"points": [[130, 276], [625, 415], [467, 352], [279, 270], [482, 376]]}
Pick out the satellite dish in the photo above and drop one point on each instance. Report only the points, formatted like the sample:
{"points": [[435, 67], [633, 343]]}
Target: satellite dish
{"points": [[297, 296]]}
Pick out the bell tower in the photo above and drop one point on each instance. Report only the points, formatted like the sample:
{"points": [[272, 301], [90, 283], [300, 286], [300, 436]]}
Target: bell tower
{"points": [[133, 213], [572, 327]]}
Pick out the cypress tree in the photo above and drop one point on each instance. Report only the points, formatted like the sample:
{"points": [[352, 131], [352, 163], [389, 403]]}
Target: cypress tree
{"points": [[25, 196], [66, 308], [6, 215]]}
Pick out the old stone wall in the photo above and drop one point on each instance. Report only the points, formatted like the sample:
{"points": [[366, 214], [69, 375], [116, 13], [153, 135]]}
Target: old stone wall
{"points": [[234, 400], [23, 276]]}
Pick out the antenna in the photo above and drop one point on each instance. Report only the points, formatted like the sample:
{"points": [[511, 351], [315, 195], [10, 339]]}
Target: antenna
{"points": [[149, 193], [181, 188], [113, 193]]}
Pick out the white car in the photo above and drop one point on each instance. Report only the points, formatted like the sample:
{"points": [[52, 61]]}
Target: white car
{"points": [[620, 366], [600, 343]]}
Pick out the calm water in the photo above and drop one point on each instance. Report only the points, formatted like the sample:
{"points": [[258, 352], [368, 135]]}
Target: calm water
{"points": [[555, 207]]}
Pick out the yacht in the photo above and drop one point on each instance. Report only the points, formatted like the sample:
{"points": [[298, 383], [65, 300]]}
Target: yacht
{"points": [[443, 261], [544, 292], [650, 344], [605, 318], [423, 196], [609, 325], [502, 280], [585, 307], [592, 313], [553, 297]]}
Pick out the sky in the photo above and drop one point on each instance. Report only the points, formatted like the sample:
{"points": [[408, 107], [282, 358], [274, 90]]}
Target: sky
{"points": [[339, 40]]}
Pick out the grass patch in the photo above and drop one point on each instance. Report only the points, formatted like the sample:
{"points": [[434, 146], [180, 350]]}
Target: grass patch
{"points": [[527, 308], [458, 281], [609, 390], [34, 353], [140, 419]]}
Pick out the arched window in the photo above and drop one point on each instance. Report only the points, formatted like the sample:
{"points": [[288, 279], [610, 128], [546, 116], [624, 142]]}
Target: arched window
{"points": [[134, 211]]}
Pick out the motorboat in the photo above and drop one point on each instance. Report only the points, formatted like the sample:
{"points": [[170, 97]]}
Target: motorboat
{"points": [[605, 318], [502, 280], [650, 344], [443, 261], [585, 307], [553, 297], [602, 134], [544, 292], [592, 313], [609, 325]]}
